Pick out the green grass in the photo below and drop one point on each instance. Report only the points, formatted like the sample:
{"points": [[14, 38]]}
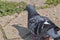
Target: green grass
{"points": [[9, 8], [53, 2], [50, 3]]}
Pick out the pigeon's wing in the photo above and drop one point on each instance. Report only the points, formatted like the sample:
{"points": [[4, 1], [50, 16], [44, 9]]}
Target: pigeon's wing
{"points": [[55, 27]]}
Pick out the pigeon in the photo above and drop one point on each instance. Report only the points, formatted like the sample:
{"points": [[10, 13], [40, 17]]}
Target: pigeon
{"points": [[41, 25]]}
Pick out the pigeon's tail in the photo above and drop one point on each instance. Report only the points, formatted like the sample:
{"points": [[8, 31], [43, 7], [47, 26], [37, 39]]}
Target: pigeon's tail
{"points": [[31, 10]]}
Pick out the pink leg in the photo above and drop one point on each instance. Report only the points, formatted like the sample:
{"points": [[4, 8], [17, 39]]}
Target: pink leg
{"points": [[34, 37], [47, 38]]}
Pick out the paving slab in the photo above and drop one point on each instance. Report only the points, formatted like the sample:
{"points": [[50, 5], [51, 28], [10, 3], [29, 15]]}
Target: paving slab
{"points": [[36, 3], [1, 36], [6, 19]]}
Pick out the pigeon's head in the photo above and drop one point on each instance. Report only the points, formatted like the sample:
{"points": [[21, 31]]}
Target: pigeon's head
{"points": [[30, 7], [31, 11]]}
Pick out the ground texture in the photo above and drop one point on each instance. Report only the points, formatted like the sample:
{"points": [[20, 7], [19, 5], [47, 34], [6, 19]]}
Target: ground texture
{"points": [[14, 27]]}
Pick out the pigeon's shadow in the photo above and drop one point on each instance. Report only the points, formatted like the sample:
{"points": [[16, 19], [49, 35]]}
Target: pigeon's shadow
{"points": [[23, 32]]}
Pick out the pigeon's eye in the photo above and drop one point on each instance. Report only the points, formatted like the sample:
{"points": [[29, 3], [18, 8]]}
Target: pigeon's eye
{"points": [[32, 21]]}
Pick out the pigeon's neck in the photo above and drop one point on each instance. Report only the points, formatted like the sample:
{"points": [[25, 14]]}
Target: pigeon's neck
{"points": [[31, 11]]}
